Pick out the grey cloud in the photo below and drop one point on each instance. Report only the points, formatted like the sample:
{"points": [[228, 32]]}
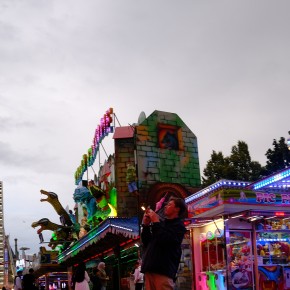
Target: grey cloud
{"points": [[37, 162], [11, 124], [222, 66]]}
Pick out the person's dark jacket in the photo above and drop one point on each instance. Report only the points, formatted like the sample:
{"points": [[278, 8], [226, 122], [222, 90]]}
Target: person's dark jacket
{"points": [[162, 247], [97, 285], [28, 282]]}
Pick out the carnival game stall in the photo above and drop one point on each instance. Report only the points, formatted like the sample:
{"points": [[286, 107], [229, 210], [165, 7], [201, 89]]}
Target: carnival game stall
{"points": [[240, 234]]}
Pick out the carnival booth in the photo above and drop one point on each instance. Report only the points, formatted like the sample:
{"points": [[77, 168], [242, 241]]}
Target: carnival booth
{"points": [[240, 234]]}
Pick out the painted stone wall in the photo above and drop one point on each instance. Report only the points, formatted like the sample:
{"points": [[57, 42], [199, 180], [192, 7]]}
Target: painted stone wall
{"points": [[124, 153], [166, 152]]}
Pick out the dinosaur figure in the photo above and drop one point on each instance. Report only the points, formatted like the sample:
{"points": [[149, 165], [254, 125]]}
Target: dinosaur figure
{"points": [[46, 224], [60, 233], [83, 195], [52, 198]]}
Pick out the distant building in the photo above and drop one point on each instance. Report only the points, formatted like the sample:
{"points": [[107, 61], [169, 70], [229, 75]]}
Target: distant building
{"points": [[7, 268], [2, 237]]}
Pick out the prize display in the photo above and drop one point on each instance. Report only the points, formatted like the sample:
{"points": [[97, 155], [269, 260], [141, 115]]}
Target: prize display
{"points": [[240, 260]]}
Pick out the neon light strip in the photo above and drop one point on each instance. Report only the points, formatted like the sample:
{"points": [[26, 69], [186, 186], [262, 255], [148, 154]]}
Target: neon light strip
{"points": [[272, 240], [215, 186], [123, 228], [101, 132], [76, 247], [272, 179]]}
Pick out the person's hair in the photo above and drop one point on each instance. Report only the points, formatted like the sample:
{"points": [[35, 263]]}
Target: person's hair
{"points": [[95, 270], [101, 265], [31, 270], [180, 203], [80, 272]]}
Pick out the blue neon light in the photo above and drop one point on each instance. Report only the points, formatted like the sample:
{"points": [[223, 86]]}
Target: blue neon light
{"points": [[272, 179], [215, 186]]}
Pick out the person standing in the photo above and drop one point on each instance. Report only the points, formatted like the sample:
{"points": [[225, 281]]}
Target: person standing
{"points": [[18, 281], [102, 275], [162, 244], [138, 277], [96, 280], [28, 281], [81, 278]]}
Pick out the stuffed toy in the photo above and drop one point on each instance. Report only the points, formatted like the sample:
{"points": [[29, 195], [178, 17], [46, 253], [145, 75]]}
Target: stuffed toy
{"points": [[276, 249]]}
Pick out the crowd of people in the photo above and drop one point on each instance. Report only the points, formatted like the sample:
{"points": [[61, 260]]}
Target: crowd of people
{"points": [[24, 282], [97, 281]]}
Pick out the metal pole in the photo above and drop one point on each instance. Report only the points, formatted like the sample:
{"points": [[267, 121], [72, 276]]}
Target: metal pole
{"points": [[119, 274]]}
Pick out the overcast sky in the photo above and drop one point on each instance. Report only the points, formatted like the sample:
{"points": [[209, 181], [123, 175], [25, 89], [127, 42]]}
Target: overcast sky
{"points": [[222, 66]]}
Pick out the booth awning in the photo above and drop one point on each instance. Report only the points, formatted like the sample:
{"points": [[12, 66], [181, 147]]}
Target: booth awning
{"points": [[109, 234], [225, 197]]}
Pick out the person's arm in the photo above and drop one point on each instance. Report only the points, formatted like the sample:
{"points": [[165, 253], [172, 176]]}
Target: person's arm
{"points": [[163, 233], [136, 275], [146, 230], [18, 283], [101, 276], [87, 278]]}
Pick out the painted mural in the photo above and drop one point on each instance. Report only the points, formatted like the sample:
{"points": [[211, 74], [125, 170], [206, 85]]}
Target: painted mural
{"points": [[167, 151]]}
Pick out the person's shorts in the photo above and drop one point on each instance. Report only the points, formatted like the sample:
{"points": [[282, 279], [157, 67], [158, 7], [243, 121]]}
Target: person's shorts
{"points": [[132, 186]]}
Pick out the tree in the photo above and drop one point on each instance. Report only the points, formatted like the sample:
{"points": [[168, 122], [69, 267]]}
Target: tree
{"points": [[241, 164], [215, 169], [278, 157], [238, 166]]}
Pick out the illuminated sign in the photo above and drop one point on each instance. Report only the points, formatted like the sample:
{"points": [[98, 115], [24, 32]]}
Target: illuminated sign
{"points": [[103, 129], [285, 198], [263, 197], [279, 213], [20, 263]]}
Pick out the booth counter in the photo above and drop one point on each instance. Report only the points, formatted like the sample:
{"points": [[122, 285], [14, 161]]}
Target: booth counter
{"points": [[240, 234]]}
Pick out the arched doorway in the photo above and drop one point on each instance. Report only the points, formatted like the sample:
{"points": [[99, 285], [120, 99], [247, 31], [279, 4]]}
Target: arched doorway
{"points": [[167, 190]]}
